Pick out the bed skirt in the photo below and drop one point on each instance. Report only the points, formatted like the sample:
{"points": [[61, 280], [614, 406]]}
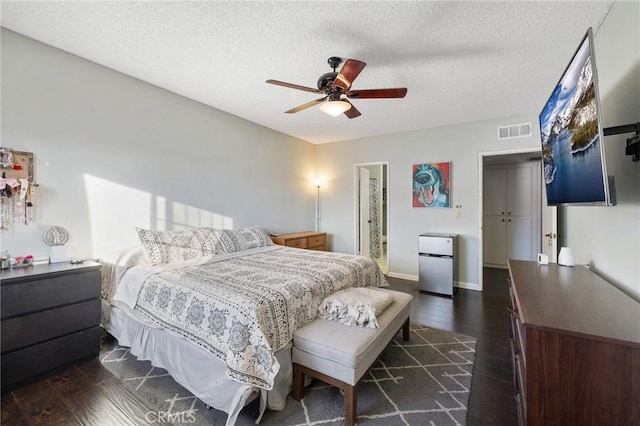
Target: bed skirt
{"points": [[197, 370]]}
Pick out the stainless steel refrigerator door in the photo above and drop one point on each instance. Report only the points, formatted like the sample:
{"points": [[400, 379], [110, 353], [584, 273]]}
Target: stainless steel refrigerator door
{"points": [[435, 245], [436, 274]]}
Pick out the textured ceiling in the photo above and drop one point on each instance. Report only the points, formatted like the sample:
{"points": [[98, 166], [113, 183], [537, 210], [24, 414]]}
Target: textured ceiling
{"points": [[461, 61]]}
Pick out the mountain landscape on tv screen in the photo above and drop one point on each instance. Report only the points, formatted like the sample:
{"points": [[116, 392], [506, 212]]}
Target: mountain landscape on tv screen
{"points": [[575, 113]]}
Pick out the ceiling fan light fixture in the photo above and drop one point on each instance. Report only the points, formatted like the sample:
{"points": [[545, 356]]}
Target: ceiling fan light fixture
{"points": [[335, 108]]}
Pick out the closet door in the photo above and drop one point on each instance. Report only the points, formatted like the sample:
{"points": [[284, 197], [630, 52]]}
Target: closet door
{"points": [[519, 200], [494, 189], [494, 235], [511, 208]]}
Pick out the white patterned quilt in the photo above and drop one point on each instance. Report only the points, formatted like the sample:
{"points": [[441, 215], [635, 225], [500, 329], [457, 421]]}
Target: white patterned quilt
{"points": [[245, 306]]}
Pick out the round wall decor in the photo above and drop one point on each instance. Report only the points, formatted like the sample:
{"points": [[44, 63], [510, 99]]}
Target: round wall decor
{"points": [[55, 236]]}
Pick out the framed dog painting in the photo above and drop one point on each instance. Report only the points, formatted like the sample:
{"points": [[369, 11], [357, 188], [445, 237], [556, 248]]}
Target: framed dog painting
{"points": [[431, 184]]}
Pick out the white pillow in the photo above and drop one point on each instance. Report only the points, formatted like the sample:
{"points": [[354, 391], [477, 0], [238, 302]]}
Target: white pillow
{"points": [[177, 246], [232, 240]]}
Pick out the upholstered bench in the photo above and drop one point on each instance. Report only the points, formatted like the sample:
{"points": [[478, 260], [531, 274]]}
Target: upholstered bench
{"points": [[341, 355]]}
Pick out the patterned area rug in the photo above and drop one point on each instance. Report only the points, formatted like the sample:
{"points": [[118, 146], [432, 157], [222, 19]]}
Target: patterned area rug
{"points": [[425, 381]]}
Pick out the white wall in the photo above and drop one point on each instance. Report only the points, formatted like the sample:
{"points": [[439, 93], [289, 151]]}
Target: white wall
{"points": [[609, 237], [113, 153], [459, 144]]}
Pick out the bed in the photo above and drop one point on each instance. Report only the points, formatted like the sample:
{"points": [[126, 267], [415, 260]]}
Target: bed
{"points": [[217, 308]]}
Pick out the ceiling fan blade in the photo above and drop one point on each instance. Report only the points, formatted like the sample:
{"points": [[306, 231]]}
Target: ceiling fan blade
{"points": [[398, 92], [347, 74], [305, 106], [352, 112], [294, 86]]}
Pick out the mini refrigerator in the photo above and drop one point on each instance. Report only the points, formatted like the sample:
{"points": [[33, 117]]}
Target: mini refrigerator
{"points": [[437, 263]]}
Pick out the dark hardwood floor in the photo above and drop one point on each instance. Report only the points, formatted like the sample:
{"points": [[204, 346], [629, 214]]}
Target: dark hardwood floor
{"points": [[482, 315], [82, 394], [87, 393]]}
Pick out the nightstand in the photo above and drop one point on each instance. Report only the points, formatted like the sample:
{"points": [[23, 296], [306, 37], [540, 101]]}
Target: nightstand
{"points": [[50, 317], [306, 240]]}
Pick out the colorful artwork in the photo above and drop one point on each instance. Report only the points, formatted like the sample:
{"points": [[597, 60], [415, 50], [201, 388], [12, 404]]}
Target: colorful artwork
{"points": [[431, 185]]}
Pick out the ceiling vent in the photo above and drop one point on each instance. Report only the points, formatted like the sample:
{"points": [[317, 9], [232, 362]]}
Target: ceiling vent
{"points": [[514, 131]]}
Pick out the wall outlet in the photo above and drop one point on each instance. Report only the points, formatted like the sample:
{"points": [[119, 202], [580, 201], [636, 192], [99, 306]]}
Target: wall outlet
{"points": [[458, 213]]}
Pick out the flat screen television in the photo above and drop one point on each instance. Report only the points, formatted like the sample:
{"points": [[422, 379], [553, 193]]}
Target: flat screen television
{"points": [[571, 131]]}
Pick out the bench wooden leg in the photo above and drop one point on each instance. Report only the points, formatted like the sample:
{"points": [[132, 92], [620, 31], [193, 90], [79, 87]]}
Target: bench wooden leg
{"points": [[298, 382], [406, 331], [350, 405], [350, 395]]}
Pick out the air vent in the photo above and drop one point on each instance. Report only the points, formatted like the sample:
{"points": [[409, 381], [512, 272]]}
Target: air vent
{"points": [[514, 131]]}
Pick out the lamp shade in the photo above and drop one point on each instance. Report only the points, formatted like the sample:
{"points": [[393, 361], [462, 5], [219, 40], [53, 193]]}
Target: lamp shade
{"points": [[335, 108]]}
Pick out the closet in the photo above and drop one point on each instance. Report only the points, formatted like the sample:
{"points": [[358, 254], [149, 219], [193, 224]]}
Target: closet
{"points": [[511, 213]]}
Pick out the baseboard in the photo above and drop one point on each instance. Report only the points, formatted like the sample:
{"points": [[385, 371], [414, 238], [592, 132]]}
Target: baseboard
{"points": [[459, 284], [403, 276], [495, 265], [468, 286]]}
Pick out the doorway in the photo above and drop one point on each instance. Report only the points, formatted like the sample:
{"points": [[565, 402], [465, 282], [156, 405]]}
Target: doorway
{"points": [[541, 234], [372, 212]]}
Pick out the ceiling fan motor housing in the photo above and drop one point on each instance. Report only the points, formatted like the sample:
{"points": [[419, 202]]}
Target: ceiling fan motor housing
{"points": [[326, 80]]}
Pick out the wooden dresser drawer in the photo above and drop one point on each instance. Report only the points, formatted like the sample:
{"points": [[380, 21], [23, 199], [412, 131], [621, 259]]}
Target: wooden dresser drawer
{"points": [[317, 241], [47, 293], [297, 243], [305, 240]]}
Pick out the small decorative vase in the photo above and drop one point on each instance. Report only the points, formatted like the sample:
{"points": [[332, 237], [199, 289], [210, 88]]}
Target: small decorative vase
{"points": [[565, 258]]}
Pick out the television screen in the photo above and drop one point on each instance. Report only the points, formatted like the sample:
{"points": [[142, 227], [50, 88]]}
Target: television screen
{"points": [[571, 132]]}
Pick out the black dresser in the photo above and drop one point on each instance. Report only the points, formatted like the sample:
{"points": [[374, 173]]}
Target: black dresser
{"points": [[50, 317]]}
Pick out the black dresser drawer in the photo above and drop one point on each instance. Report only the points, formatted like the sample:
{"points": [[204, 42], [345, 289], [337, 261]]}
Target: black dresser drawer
{"points": [[34, 360], [27, 330], [50, 318], [45, 293]]}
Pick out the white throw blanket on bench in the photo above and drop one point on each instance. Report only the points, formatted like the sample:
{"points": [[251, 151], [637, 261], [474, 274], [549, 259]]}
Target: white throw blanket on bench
{"points": [[355, 306]]}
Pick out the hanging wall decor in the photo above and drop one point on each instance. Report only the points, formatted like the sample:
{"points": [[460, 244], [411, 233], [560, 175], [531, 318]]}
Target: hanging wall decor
{"points": [[17, 188], [431, 184]]}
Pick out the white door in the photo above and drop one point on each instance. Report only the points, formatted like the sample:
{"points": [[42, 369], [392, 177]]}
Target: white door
{"points": [[510, 214], [494, 235], [365, 222], [519, 237], [494, 191], [549, 228], [520, 181]]}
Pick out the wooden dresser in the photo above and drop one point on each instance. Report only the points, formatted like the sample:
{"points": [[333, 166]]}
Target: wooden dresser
{"points": [[306, 240], [50, 317], [576, 347]]}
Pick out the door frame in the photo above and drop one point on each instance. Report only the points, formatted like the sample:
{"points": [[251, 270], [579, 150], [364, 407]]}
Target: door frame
{"points": [[356, 212], [364, 200], [481, 156]]}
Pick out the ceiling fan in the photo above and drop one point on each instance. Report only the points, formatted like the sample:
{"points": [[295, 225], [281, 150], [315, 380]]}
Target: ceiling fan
{"points": [[335, 84]]}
